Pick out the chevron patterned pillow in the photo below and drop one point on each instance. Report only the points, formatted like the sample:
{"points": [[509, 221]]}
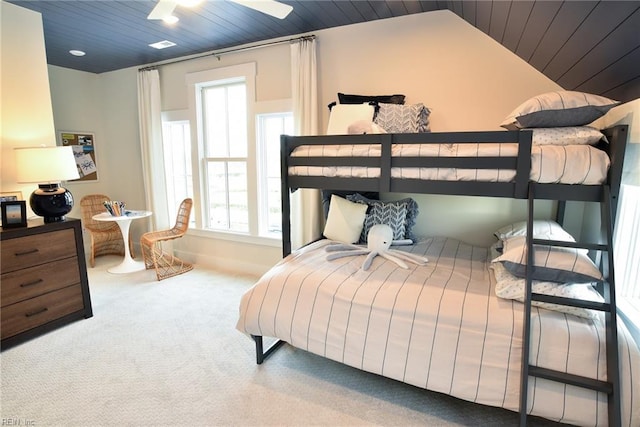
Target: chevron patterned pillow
{"points": [[394, 118], [392, 214], [400, 215]]}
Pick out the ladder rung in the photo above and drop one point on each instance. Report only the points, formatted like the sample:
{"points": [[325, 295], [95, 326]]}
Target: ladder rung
{"points": [[561, 243], [571, 379], [580, 303]]}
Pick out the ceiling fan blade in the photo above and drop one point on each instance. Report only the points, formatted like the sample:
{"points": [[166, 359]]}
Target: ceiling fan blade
{"points": [[270, 7], [163, 9]]}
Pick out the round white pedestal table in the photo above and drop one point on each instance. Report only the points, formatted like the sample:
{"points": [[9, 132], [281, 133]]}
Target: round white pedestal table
{"points": [[128, 264]]}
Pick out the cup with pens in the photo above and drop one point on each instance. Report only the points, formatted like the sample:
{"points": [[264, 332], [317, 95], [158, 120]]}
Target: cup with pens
{"points": [[115, 208]]}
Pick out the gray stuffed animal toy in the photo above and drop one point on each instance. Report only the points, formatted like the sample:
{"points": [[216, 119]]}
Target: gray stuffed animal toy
{"points": [[379, 241]]}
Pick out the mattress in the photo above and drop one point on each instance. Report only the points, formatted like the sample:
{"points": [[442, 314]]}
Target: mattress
{"points": [[559, 164], [438, 326]]}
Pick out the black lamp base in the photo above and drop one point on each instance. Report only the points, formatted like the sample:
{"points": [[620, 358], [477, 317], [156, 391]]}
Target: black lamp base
{"points": [[51, 202]]}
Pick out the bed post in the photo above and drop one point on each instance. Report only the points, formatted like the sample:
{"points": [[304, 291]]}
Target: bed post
{"points": [[260, 353], [616, 148], [285, 196], [523, 171]]}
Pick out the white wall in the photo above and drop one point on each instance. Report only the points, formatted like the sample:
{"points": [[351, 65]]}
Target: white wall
{"points": [[624, 114], [25, 107], [105, 104], [467, 79]]}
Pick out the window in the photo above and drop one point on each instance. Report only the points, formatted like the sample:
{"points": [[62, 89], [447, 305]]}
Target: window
{"points": [[176, 145], [270, 127], [626, 254], [236, 172], [224, 117]]}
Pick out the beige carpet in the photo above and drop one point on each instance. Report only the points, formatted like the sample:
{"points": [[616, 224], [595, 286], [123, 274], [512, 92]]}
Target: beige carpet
{"points": [[167, 353]]}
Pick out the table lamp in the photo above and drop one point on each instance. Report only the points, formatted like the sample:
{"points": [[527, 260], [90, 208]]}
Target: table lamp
{"points": [[47, 166]]}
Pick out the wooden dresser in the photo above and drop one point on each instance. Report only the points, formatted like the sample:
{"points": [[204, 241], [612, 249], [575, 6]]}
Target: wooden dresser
{"points": [[44, 282]]}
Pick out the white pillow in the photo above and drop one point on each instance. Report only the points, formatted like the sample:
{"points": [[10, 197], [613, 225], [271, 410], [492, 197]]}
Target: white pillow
{"points": [[345, 220], [509, 286], [559, 108], [542, 229], [570, 135], [342, 115]]}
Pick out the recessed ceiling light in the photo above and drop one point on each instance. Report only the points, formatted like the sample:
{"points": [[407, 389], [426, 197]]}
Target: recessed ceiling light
{"points": [[77, 53], [162, 45]]}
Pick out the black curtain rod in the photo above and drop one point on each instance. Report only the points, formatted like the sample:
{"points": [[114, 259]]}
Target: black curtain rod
{"points": [[222, 52]]}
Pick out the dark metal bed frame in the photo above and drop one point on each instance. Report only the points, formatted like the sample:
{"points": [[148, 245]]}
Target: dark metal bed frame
{"points": [[519, 188]]}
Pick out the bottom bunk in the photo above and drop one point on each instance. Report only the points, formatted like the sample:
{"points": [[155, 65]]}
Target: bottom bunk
{"points": [[441, 326]]}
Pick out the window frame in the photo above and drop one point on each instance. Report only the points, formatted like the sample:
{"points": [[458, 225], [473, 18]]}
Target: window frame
{"points": [[269, 108], [194, 82], [180, 117]]}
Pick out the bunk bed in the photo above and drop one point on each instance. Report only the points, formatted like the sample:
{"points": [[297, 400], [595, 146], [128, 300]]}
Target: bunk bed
{"points": [[452, 336]]}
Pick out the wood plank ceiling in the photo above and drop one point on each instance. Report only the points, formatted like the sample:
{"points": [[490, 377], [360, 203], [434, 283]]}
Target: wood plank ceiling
{"points": [[589, 46]]}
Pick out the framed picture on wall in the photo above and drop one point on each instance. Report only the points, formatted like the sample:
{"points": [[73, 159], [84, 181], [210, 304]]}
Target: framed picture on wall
{"points": [[14, 214], [84, 151]]}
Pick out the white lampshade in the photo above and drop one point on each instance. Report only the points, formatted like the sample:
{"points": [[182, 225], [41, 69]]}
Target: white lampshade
{"points": [[45, 165]]}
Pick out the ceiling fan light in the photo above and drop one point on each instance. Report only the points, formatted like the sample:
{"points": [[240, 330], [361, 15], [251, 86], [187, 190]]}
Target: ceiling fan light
{"points": [[189, 3], [270, 7], [170, 19], [163, 8]]}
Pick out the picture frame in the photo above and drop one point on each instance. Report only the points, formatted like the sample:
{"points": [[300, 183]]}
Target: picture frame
{"points": [[14, 213], [10, 196], [83, 145]]}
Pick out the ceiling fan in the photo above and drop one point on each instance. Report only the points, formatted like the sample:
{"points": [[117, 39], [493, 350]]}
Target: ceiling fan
{"points": [[165, 8]]}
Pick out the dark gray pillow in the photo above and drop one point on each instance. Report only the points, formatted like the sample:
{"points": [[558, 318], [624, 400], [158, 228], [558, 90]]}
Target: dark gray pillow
{"points": [[558, 109], [551, 263], [344, 98]]}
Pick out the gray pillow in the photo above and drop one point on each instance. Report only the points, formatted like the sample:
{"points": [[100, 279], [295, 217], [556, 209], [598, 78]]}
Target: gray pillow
{"points": [[400, 215], [395, 118], [557, 109], [551, 264], [392, 214]]}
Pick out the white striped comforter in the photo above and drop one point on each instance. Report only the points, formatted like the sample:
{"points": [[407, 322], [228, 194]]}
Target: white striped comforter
{"points": [[438, 326], [563, 164]]}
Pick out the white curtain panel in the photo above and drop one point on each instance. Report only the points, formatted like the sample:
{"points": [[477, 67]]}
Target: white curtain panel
{"points": [[150, 115], [306, 205]]}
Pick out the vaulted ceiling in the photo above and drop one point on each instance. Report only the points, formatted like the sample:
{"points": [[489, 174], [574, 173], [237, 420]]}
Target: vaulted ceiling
{"points": [[589, 46]]}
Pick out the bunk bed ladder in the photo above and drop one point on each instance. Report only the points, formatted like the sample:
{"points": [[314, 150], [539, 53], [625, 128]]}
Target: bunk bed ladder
{"points": [[611, 387]]}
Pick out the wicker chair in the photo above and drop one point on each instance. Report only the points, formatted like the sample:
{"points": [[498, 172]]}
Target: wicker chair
{"points": [[165, 263], [106, 237]]}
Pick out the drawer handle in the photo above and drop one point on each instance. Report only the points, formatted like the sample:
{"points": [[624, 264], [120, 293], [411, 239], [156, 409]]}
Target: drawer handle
{"points": [[35, 282], [30, 251], [35, 313]]}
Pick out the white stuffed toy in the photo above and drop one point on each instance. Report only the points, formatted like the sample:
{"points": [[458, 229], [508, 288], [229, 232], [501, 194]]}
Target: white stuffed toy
{"points": [[379, 241], [364, 127]]}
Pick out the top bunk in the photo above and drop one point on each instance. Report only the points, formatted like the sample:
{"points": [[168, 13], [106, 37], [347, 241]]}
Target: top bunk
{"points": [[485, 163]]}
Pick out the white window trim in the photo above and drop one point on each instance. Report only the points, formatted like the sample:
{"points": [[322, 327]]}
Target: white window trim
{"points": [[278, 106]]}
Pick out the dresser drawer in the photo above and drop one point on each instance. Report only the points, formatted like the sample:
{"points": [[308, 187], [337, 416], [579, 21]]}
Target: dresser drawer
{"points": [[37, 249], [37, 311], [33, 281]]}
